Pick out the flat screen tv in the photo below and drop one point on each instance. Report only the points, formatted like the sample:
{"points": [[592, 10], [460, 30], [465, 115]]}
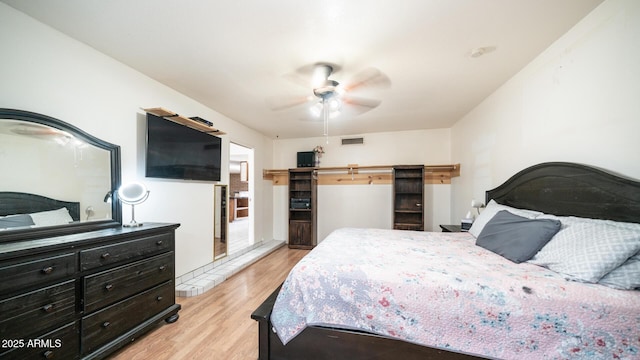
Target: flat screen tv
{"points": [[175, 151]]}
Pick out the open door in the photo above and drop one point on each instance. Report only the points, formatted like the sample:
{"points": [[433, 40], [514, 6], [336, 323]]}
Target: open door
{"points": [[240, 206]]}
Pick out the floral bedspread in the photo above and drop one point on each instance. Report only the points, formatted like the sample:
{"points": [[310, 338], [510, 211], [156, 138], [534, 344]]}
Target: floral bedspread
{"points": [[441, 290]]}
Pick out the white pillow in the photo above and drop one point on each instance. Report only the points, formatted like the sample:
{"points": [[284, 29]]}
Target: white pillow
{"points": [[491, 210], [588, 249], [52, 217]]}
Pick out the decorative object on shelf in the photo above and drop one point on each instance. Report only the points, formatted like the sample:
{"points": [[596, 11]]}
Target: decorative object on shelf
{"points": [[133, 194], [318, 151], [201, 120], [194, 122]]}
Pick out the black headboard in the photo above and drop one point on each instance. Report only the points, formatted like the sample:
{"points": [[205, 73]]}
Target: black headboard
{"points": [[566, 189], [22, 203]]}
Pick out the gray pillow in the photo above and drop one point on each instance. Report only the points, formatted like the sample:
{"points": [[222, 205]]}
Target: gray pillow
{"points": [[12, 221], [515, 237]]}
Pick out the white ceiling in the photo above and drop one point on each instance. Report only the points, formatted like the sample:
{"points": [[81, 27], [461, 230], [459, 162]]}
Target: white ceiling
{"points": [[237, 56]]}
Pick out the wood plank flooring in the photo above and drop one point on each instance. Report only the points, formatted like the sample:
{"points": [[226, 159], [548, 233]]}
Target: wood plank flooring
{"points": [[217, 324]]}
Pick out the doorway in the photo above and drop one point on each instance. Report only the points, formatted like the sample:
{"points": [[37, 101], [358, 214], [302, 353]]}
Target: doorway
{"points": [[240, 207]]}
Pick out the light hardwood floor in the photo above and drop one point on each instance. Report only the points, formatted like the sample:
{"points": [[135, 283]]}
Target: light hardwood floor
{"points": [[217, 324]]}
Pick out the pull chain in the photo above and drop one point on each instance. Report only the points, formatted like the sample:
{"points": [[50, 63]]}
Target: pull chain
{"points": [[325, 115]]}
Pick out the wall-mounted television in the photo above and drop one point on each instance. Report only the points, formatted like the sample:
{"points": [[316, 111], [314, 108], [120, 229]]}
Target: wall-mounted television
{"points": [[175, 151]]}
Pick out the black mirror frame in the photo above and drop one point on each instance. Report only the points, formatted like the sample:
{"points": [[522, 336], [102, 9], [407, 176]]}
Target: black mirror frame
{"points": [[114, 151]]}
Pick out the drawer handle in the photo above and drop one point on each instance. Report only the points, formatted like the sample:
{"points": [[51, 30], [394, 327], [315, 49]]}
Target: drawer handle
{"points": [[109, 287], [159, 242], [48, 308], [106, 324], [47, 270], [159, 298], [48, 354], [162, 268], [105, 256]]}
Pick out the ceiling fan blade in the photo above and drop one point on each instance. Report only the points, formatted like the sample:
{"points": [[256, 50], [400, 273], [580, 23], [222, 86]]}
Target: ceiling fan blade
{"points": [[277, 103], [370, 77], [309, 76], [357, 101], [303, 80]]}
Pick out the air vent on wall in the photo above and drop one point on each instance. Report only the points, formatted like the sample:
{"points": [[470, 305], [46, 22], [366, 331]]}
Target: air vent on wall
{"points": [[353, 141]]}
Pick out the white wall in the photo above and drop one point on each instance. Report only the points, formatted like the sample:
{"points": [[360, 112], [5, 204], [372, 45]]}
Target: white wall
{"points": [[44, 71], [365, 205], [578, 101]]}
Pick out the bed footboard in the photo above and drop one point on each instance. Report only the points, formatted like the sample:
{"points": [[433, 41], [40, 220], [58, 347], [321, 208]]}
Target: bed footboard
{"points": [[261, 315], [326, 343]]}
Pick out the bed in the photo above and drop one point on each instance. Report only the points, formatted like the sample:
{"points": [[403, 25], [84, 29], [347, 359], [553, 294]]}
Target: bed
{"points": [[21, 207], [475, 302]]}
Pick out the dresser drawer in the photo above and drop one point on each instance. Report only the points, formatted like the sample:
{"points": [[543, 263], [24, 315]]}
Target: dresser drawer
{"points": [[36, 270], [109, 286], [105, 325], [127, 250], [62, 343], [37, 311]]}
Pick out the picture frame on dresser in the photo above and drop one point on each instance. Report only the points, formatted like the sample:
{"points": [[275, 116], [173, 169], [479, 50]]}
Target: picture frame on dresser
{"points": [[79, 287]]}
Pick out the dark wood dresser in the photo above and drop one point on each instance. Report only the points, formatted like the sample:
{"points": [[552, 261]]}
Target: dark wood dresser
{"points": [[85, 295]]}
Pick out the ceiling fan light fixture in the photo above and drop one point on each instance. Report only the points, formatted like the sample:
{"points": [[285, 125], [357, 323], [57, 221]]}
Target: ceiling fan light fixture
{"points": [[334, 105]]}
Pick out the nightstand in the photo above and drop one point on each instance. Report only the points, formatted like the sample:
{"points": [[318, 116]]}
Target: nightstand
{"points": [[451, 228]]}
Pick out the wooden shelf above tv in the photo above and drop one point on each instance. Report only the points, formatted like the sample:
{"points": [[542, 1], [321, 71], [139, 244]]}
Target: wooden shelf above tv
{"points": [[183, 120]]}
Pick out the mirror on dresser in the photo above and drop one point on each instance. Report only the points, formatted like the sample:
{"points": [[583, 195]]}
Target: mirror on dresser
{"points": [[220, 223], [56, 179]]}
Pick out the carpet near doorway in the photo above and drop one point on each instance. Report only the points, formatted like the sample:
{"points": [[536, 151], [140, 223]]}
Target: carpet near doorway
{"points": [[199, 281]]}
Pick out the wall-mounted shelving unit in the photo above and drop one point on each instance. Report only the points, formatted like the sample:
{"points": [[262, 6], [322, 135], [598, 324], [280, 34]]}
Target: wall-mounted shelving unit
{"points": [[365, 175], [195, 123]]}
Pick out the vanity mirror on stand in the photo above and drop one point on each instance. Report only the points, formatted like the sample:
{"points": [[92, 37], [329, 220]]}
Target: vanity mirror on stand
{"points": [[133, 194], [220, 222], [70, 271]]}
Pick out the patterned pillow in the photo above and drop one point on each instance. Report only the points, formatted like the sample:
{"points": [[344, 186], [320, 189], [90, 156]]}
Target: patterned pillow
{"points": [[625, 276], [491, 210], [586, 249]]}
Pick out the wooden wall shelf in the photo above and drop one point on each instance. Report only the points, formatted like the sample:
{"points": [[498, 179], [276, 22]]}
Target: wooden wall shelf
{"points": [[365, 175], [183, 120]]}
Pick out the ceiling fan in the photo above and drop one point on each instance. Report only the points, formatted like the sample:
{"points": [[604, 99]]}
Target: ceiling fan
{"points": [[329, 96]]}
